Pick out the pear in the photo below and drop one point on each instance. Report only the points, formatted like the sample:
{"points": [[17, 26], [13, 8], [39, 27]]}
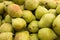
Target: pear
{"points": [[14, 10], [53, 11], [6, 27], [56, 25], [46, 34], [58, 9], [1, 8], [33, 26], [31, 4], [40, 11], [18, 24], [6, 36], [46, 20], [28, 16], [8, 19], [33, 37], [24, 35]]}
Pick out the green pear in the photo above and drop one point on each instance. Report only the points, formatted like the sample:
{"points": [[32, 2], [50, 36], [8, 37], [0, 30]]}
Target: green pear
{"points": [[53, 11], [18, 24], [24, 35], [14, 10], [19, 1], [28, 16], [40, 11], [50, 4], [56, 25], [6, 27], [58, 9], [33, 26], [33, 37], [31, 4], [46, 34], [1, 8], [46, 20], [6, 36], [8, 19], [22, 7]]}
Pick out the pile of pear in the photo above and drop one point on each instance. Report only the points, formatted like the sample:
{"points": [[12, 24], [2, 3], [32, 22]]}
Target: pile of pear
{"points": [[29, 19]]}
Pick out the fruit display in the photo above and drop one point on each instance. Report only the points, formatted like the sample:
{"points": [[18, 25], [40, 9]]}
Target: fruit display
{"points": [[29, 19]]}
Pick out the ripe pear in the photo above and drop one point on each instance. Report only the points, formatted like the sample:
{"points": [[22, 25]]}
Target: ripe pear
{"points": [[28, 16], [33, 26], [33, 37], [56, 25], [31, 4], [40, 11], [6, 27], [14, 10], [18, 24], [19, 1], [46, 20], [6, 36], [24, 35], [46, 34]]}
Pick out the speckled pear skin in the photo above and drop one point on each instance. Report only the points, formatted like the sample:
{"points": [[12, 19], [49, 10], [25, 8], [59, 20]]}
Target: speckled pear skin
{"points": [[56, 25], [33, 36], [6, 27], [14, 10], [46, 20], [33, 26], [18, 24], [6, 36], [24, 35], [31, 4], [28, 16], [20, 2], [46, 34], [40, 11]]}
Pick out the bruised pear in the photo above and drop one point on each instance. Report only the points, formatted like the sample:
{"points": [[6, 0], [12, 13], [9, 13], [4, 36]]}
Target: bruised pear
{"points": [[6, 27], [31, 4], [46, 20], [33, 26], [56, 25], [28, 16], [14, 10], [24, 35], [40, 11], [6, 36], [46, 34], [18, 24]]}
